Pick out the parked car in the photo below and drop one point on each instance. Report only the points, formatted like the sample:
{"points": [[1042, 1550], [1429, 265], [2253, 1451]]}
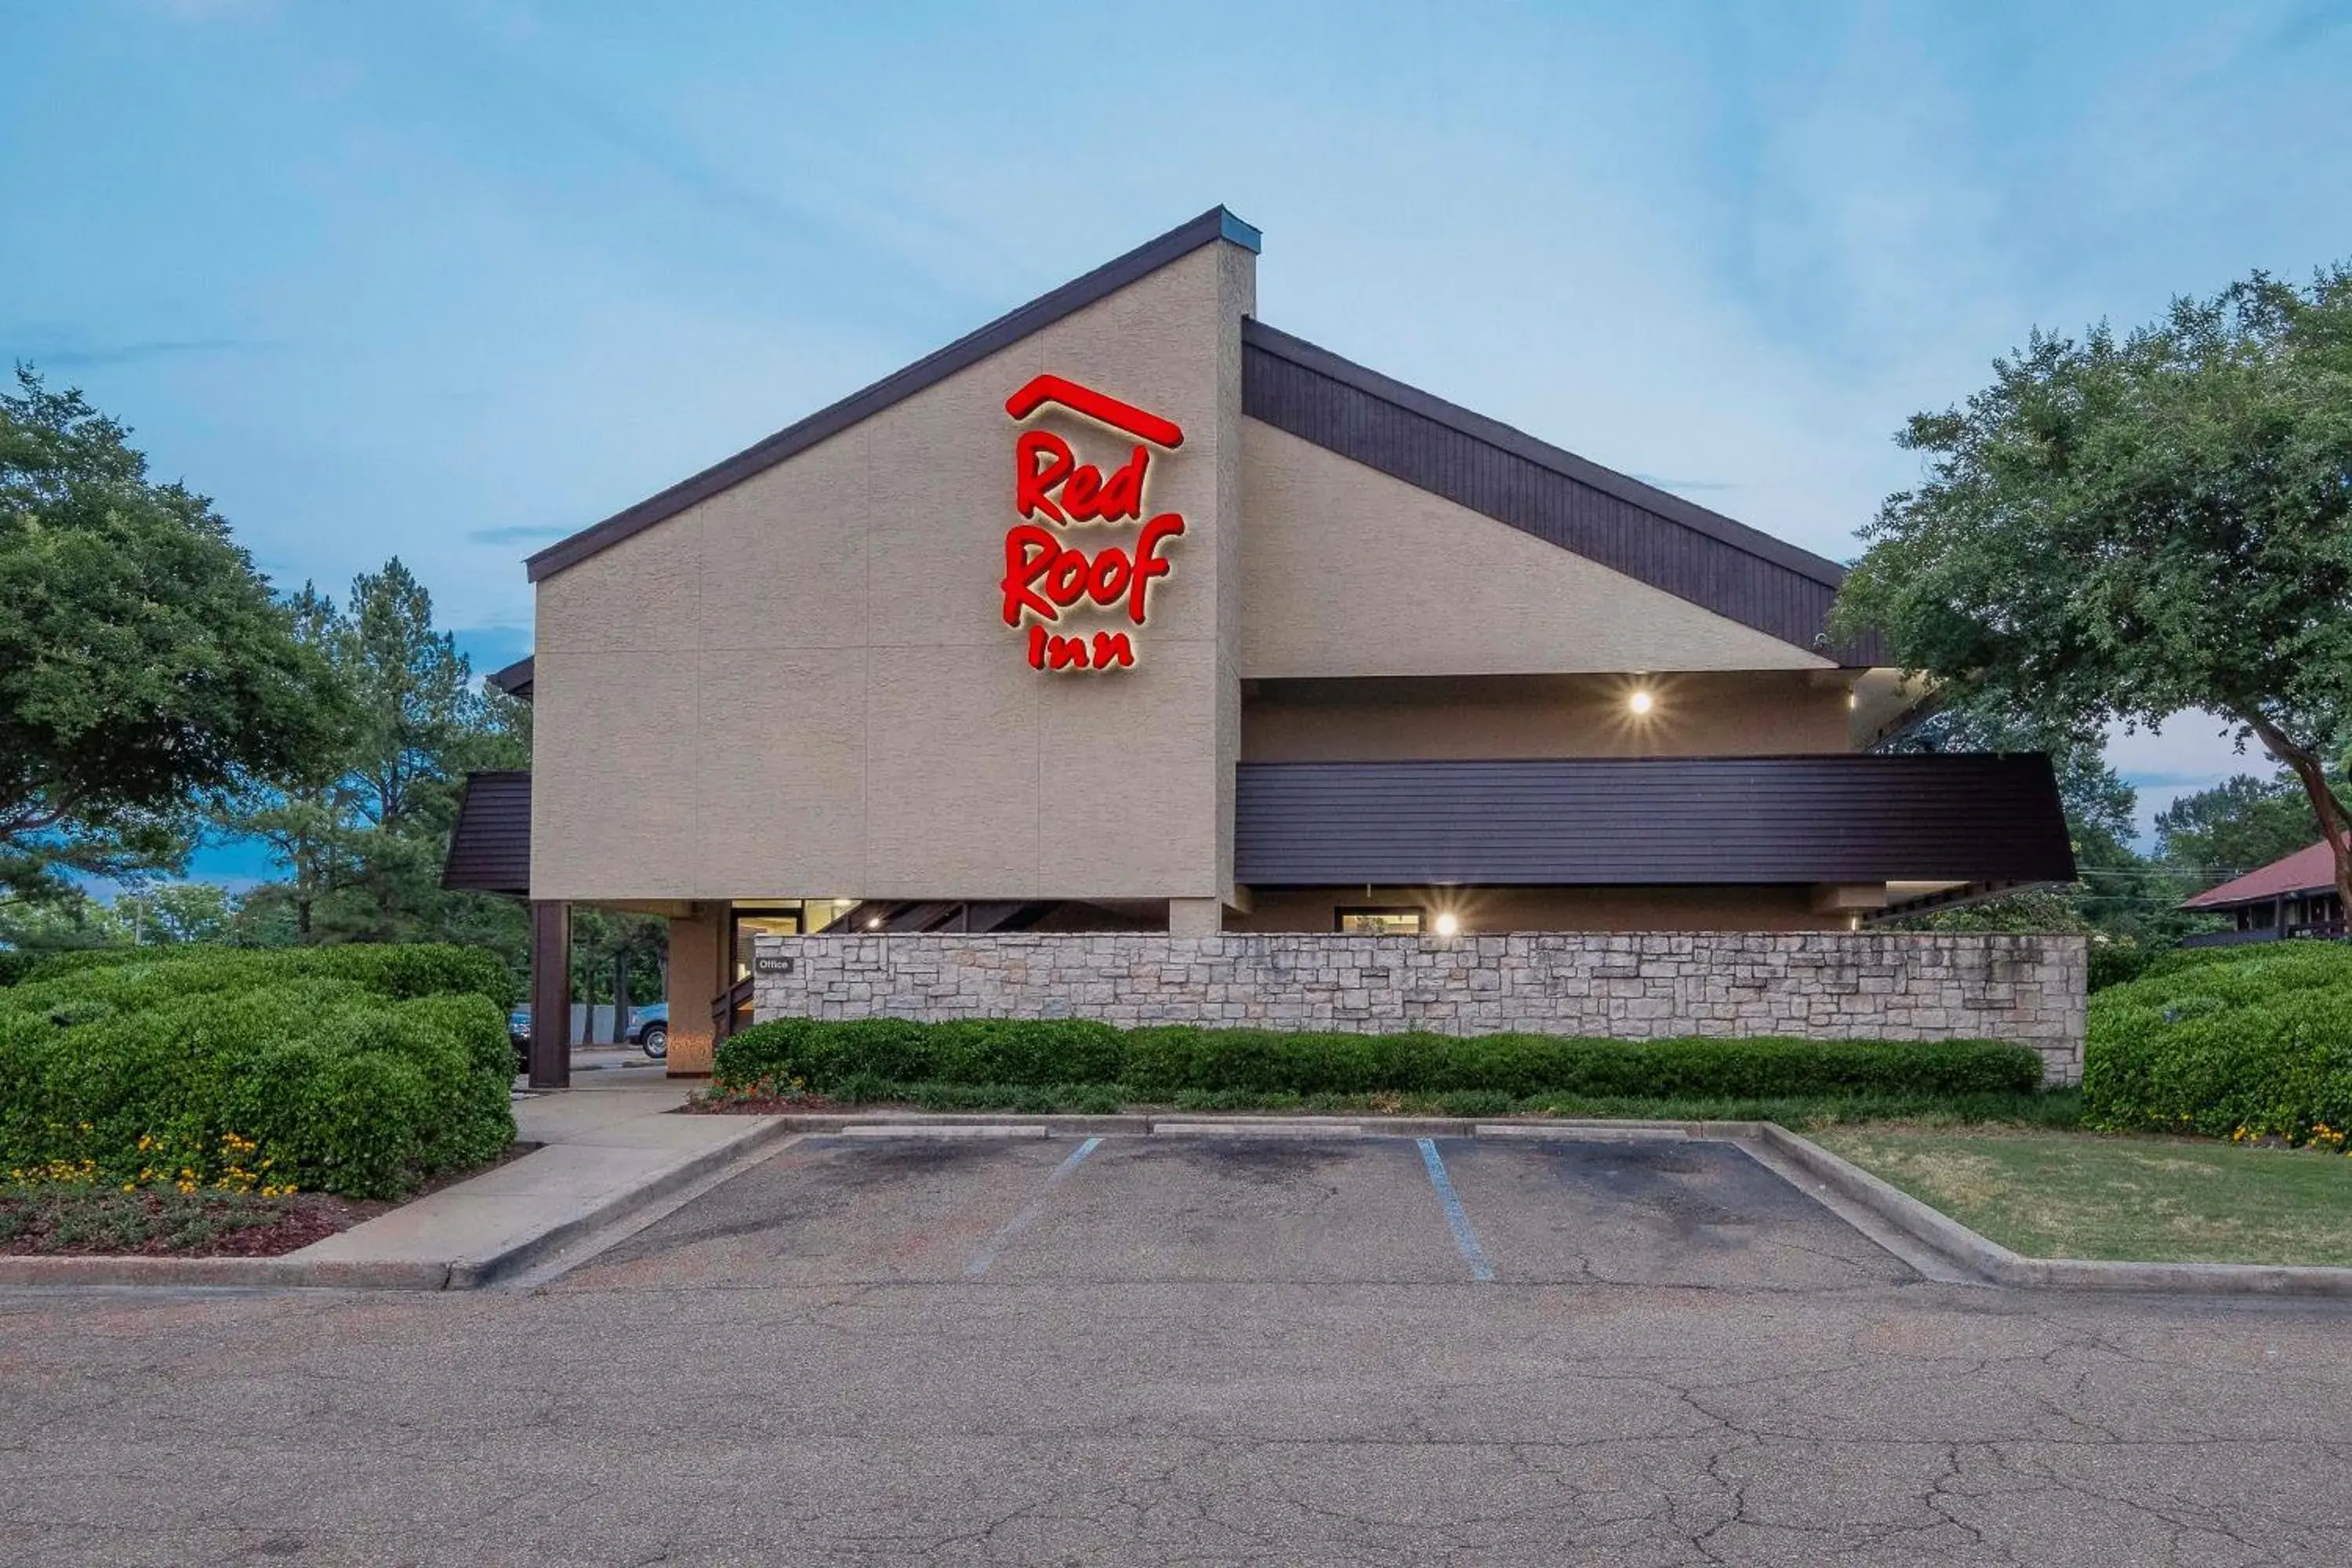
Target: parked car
{"points": [[648, 1031], [649, 1028]]}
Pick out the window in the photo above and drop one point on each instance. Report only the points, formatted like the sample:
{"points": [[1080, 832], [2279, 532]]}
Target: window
{"points": [[1395, 921]]}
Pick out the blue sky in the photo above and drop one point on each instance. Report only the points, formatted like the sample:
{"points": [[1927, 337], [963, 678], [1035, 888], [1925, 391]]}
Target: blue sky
{"points": [[456, 277]]}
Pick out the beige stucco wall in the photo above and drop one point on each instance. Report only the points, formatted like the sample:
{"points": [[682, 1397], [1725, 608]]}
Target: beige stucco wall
{"points": [[1491, 909], [1347, 572], [803, 687], [1725, 714]]}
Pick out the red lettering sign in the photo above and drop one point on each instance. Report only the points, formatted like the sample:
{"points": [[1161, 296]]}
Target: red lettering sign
{"points": [[1045, 575]]}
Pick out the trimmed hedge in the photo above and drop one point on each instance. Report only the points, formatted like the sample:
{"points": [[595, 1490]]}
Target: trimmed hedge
{"points": [[358, 1070], [1164, 1063], [2220, 1041]]}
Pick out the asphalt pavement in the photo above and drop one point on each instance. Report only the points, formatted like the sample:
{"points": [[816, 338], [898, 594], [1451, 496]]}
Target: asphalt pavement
{"points": [[1228, 1350]]}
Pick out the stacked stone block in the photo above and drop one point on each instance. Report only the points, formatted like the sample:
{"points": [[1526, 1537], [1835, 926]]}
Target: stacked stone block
{"points": [[2027, 990]]}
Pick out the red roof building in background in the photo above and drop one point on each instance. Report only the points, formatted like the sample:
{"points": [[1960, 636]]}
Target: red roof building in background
{"points": [[2292, 897]]}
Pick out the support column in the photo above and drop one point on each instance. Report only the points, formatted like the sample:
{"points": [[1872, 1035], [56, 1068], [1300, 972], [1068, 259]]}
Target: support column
{"points": [[698, 974], [1195, 917], [551, 993]]}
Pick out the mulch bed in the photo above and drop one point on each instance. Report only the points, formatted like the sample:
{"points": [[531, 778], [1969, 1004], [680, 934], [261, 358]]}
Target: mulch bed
{"points": [[105, 1222]]}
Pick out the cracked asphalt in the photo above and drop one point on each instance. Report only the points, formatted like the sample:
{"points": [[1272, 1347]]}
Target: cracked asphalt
{"points": [[1229, 1351]]}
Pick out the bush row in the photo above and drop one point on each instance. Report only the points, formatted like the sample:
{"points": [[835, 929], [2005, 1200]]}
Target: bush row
{"points": [[2041, 1108], [357, 1070], [1163, 1062], [2214, 1041]]}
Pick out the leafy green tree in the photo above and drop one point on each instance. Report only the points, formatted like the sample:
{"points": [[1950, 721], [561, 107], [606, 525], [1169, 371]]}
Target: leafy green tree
{"points": [[2120, 893], [303, 819], [2238, 825], [2128, 528], [162, 914], [617, 957], [362, 834], [144, 667], [413, 694]]}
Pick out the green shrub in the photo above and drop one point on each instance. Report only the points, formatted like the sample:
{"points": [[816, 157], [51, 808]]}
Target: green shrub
{"points": [[18, 964], [851, 1060], [358, 1070], [2116, 963], [2222, 1041]]}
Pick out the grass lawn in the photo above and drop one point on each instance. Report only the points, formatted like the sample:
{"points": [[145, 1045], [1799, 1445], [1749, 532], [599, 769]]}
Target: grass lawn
{"points": [[2083, 1195]]}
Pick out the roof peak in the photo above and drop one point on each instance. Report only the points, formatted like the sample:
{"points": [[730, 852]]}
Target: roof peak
{"points": [[1217, 224]]}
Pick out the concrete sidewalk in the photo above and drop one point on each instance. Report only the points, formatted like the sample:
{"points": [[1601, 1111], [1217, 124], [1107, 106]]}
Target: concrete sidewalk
{"points": [[611, 1149]]}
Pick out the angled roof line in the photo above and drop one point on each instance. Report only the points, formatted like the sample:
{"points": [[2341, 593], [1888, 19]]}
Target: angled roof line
{"points": [[1216, 223], [1518, 443], [2311, 869], [516, 679], [1490, 468]]}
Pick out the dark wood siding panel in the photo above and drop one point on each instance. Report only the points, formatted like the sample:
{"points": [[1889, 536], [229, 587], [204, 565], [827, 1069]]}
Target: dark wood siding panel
{"points": [[1712, 562], [490, 848], [1650, 821]]}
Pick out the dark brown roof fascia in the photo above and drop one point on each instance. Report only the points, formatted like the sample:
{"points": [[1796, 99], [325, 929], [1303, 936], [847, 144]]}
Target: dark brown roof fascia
{"points": [[490, 844], [1727, 550], [1214, 225], [515, 679], [1648, 821]]}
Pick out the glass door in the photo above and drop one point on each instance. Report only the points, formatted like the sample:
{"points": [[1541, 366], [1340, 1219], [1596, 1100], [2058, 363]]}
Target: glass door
{"points": [[743, 926]]}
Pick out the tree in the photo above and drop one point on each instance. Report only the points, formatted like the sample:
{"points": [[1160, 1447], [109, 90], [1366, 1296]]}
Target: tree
{"points": [[161, 915], [2126, 529], [2119, 893], [362, 835], [144, 665], [2238, 825], [414, 693], [302, 819]]}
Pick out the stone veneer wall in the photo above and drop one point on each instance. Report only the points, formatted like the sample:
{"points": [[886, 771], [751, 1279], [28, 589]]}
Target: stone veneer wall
{"points": [[1821, 984]]}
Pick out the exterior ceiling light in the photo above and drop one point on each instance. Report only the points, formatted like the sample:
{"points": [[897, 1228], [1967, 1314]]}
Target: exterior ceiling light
{"points": [[1448, 923], [873, 923], [1641, 701]]}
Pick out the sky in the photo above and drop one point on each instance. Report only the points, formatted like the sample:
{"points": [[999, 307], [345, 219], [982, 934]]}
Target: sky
{"points": [[453, 279]]}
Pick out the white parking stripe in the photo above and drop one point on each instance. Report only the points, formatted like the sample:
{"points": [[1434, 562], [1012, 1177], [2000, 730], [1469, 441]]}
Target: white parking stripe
{"points": [[1029, 1212]]}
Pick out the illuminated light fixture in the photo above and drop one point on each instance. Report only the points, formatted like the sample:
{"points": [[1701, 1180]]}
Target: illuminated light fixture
{"points": [[1853, 699], [1448, 922], [873, 923], [1641, 701]]}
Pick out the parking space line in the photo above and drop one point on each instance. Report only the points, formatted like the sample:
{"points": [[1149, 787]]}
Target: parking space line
{"points": [[1029, 1212], [1457, 1219]]}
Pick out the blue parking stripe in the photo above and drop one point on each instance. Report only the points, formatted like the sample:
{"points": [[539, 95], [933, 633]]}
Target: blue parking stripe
{"points": [[1457, 1219], [1029, 1212]]}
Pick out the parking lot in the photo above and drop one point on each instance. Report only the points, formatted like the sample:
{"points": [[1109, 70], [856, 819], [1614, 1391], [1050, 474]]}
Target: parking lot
{"points": [[1274, 1208], [1216, 1350]]}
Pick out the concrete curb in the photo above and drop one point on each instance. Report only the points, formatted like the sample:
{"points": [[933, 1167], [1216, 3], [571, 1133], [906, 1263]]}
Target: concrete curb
{"points": [[957, 1130], [1056, 1124], [1301, 1129], [218, 1273], [1993, 1262], [293, 1271], [1586, 1133], [473, 1273]]}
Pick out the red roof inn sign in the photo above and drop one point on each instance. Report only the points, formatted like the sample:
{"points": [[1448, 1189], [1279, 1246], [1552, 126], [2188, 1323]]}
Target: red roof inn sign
{"points": [[1044, 572]]}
